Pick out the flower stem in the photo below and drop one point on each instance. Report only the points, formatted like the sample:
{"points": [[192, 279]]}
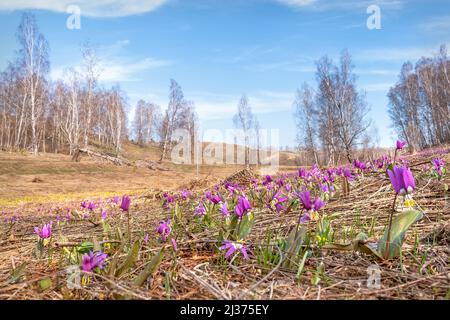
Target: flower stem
{"points": [[388, 239], [128, 226]]}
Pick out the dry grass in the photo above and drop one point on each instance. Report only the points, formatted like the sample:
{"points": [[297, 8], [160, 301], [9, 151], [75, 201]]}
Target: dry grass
{"points": [[199, 273]]}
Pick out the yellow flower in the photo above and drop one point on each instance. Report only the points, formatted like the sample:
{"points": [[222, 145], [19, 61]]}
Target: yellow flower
{"points": [[314, 215], [409, 203], [85, 280]]}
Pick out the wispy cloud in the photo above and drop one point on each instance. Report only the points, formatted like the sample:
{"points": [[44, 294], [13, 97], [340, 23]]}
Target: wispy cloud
{"points": [[437, 25], [113, 67], [297, 3], [218, 106], [99, 8], [323, 5], [396, 54]]}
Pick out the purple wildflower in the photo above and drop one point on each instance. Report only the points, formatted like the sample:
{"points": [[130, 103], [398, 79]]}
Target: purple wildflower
{"points": [[224, 209], [93, 260], [242, 207], [438, 164], [400, 144], [231, 248], [214, 199], [45, 232], [125, 205], [402, 180], [91, 206], [185, 194], [115, 200], [200, 210], [267, 179], [164, 229]]}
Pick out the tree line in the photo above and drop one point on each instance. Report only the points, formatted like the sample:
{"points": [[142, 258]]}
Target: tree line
{"points": [[44, 116], [333, 117], [40, 115], [419, 103]]}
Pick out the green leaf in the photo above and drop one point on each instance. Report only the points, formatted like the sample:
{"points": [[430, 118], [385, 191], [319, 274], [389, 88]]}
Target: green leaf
{"points": [[113, 265], [400, 224], [18, 273], [85, 247], [45, 284], [130, 260], [293, 244], [177, 212], [149, 269], [302, 265], [245, 226]]}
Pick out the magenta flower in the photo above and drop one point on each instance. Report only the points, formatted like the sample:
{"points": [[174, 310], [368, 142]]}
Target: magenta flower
{"points": [[93, 260], [185, 194], [231, 248], [164, 229], [302, 173], [267, 180], [45, 232], [277, 201], [125, 205], [400, 144], [91, 206], [359, 165], [146, 238], [402, 180], [305, 198], [104, 214], [168, 200], [309, 207], [438, 164], [242, 207], [224, 209], [318, 204], [347, 174], [200, 210], [115, 200], [214, 199]]}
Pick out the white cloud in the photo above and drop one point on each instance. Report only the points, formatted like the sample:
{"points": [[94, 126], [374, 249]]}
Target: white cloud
{"points": [[97, 8], [218, 106], [323, 5], [297, 3], [113, 67], [397, 54], [437, 24], [117, 70]]}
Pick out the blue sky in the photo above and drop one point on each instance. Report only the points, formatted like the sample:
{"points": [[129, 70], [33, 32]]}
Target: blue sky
{"points": [[219, 50]]}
